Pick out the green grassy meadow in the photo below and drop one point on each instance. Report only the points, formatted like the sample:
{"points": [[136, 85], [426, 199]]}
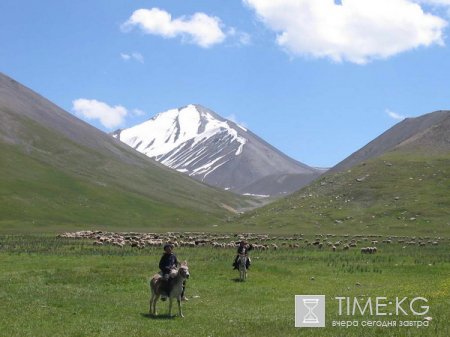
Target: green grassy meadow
{"points": [[61, 287]]}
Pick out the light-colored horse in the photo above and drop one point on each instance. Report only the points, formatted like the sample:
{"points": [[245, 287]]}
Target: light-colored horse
{"points": [[177, 279], [242, 264]]}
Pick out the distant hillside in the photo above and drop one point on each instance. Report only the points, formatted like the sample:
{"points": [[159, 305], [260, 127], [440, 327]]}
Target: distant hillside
{"points": [[403, 191], [57, 172], [418, 133], [198, 142]]}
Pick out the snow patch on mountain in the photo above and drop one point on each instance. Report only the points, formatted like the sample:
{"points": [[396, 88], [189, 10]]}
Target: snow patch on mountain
{"points": [[180, 139], [196, 141]]}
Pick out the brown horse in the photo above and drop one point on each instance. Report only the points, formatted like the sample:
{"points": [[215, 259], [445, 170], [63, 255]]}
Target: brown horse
{"points": [[157, 287]]}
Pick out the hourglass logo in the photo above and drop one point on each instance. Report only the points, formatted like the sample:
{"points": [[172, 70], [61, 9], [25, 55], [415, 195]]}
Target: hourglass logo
{"points": [[310, 311]]}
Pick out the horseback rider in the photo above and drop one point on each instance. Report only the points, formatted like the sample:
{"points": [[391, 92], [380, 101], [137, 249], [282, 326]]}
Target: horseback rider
{"points": [[167, 263], [243, 248]]}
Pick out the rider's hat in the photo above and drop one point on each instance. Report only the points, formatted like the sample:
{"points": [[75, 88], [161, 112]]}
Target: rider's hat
{"points": [[168, 245]]}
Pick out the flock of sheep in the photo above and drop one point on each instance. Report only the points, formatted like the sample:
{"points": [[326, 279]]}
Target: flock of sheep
{"points": [[258, 241]]}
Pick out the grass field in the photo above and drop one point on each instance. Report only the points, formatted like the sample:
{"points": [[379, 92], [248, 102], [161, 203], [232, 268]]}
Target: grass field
{"points": [[63, 287]]}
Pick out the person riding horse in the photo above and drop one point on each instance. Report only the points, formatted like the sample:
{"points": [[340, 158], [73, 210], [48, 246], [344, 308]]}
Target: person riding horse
{"points": [[243, 248], [167, 263]]}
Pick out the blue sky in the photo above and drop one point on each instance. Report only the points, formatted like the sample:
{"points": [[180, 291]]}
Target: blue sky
{"points": [[318, 79]]}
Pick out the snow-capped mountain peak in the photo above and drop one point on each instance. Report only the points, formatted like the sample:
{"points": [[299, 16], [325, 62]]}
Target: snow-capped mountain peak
{"points": [[196, 141], [179, 138]]}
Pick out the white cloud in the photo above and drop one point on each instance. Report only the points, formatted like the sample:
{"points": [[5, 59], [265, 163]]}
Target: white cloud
{"points": [[241, 37], [138, 112], [125, 57], [199, 28], [234, 119], [395, 115], [133, 56], [358, 31], [110, 117]]}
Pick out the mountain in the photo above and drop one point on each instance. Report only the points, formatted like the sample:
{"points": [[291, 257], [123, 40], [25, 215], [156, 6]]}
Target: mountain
{"points": [[198, 142], [58, 172], [397, 184], [414, 133]]}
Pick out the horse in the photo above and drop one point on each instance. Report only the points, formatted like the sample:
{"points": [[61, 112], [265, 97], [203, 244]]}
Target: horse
{"points": [[157, 289], [242, 264]]}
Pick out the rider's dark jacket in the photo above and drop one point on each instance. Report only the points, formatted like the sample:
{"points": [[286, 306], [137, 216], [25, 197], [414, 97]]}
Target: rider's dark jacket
{"points": [[244, 249], [167, 262]]}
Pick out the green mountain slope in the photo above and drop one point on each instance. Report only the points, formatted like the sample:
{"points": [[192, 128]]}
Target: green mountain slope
{"points": [[418, 132], [404, 191], [58, 173]]}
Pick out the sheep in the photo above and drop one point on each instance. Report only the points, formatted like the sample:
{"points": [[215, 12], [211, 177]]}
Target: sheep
{"points": [[369, 250]]}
